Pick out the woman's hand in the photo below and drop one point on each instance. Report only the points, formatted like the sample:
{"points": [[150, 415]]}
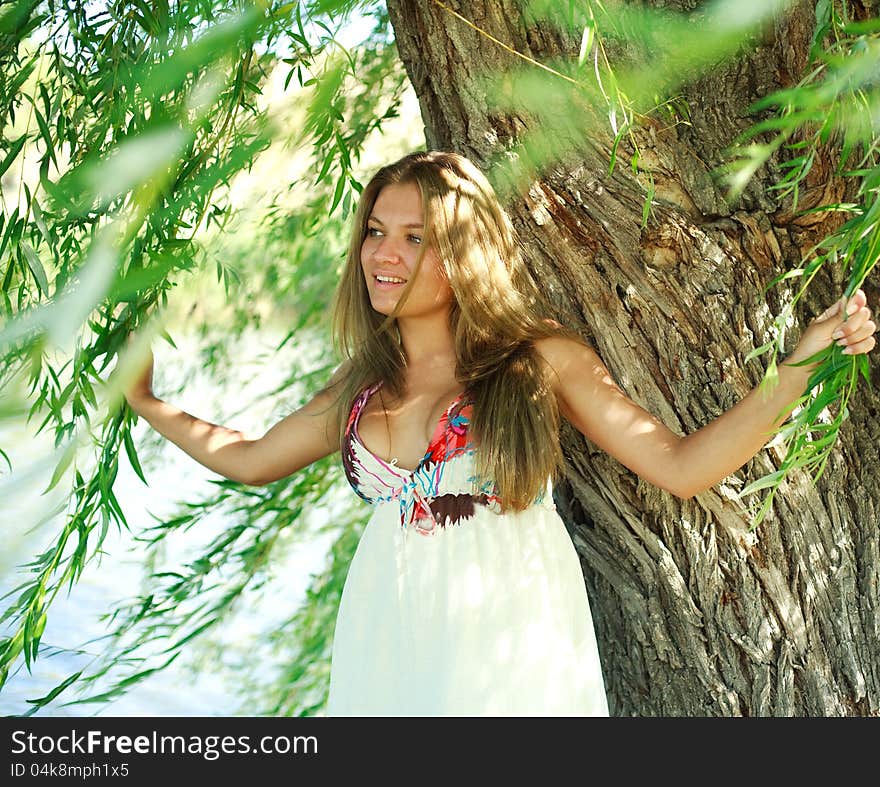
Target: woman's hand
{"points": [[853, 330], [141, 387]]}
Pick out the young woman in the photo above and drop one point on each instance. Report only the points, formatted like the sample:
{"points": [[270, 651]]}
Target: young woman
{"points": [[465, 595]]}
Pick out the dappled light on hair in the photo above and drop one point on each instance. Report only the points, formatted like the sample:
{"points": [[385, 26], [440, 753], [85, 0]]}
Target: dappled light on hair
{"points": [[497, 313]]}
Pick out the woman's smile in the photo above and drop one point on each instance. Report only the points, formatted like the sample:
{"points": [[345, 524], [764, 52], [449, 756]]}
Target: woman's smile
{"points": [[388, 282]]}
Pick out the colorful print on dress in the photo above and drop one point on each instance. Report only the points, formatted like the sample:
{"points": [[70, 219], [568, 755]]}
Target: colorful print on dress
{"points": [[450, 454]]}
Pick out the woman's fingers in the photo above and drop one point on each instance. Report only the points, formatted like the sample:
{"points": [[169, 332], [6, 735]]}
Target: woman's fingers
{"points": [[857, 333], [142, 384], [854, 323], [858, 300], [864, 346]]}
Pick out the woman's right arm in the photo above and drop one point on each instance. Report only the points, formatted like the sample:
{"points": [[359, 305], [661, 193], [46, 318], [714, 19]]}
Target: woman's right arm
{"points": [[303, 437]]}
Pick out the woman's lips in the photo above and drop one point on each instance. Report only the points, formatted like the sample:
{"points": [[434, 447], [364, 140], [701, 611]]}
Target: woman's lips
{"points": [[387, 285]]}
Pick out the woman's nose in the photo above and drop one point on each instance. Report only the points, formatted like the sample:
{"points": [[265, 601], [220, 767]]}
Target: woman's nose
{"points": [[386, 250]]}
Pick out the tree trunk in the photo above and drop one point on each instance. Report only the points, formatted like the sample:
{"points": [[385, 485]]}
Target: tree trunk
{"points": [[695, 615]]}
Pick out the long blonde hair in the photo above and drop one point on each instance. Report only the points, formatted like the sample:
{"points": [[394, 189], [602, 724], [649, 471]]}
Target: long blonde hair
{"points": [[496, 314]]}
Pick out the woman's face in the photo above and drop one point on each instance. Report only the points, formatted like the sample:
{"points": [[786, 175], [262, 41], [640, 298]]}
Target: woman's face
{"points": [[390, 248]]}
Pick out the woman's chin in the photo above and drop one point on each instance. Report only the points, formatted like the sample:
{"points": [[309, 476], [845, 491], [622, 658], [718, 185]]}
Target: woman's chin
{"points": [[382, 308]]}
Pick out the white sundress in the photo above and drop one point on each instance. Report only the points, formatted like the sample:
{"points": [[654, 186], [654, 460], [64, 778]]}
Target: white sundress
{"points": [[449, 606]]}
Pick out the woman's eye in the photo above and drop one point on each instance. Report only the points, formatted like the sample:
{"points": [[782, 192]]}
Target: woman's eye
{"points": [[373, 232]]}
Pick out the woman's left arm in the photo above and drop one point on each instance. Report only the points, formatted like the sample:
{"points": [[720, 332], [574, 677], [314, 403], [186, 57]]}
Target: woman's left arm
{"points": [[685, 466], [720, 448]]}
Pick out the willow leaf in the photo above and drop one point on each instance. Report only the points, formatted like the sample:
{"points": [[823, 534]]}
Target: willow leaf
{"points": [[36, 267], [131, 451], [14, 150]]}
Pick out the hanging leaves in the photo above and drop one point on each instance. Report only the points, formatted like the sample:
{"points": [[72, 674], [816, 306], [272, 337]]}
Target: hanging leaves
{"points": [[124, 129]]}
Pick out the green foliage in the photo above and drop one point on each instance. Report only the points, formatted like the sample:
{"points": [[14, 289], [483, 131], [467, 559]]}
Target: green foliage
{"points": [[836, 102], [125, 129], [587, 100], [183, 603]]}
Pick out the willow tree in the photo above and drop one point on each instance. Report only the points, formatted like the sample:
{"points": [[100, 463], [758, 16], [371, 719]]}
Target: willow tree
{"points": [[690, 185], [663, 263]]}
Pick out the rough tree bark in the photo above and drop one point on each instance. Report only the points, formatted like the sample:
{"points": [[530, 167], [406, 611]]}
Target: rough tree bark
{"points": [[695, 615]]}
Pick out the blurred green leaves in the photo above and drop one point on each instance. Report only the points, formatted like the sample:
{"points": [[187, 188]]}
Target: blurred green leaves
{"points": [[126, 126], [590, 100]]}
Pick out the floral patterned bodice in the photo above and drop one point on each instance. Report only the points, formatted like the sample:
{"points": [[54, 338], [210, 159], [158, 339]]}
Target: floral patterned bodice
{"points": [[441, 489]]}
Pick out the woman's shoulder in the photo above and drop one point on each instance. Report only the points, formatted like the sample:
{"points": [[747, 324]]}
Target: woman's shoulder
{"points": [[559, 345], [560, 351]]}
